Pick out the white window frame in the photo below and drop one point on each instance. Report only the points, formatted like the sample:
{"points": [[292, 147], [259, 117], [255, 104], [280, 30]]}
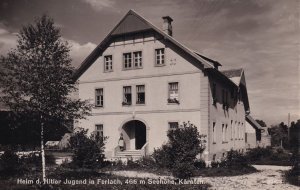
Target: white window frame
{"points": [[137, 59], [140, 89], [108, 63], [214, 132], [127, 90], [99, 129], [127, 60], [99, 97], [160, 57], [173, 92], [170, 125]]}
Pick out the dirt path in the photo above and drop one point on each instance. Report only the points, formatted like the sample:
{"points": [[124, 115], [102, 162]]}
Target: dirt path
{"points": [[268, 178]]}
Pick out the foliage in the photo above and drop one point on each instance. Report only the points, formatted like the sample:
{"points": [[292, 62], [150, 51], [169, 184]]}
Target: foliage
{"points": [[295, 135], [36, 79], [199, 164], [215, 164], [268, 156], [279, 134], [37, 75], [88, 151], [292, 176], [9, 162], [164, 156], [179, 154], [234, 160]]}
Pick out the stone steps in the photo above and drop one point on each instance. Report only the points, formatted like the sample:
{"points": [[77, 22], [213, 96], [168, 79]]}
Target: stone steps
{"points": [[129, 154]]}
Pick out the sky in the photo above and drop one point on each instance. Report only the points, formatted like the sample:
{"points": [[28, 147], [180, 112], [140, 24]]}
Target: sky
{"points": [[260, 36]]}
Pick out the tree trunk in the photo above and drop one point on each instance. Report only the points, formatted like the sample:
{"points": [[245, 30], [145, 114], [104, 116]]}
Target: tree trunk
{"points": [[43, 151]]}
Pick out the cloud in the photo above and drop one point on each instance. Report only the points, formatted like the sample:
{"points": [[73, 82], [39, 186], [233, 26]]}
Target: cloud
{"points": [[98, 5], [79, 52]]}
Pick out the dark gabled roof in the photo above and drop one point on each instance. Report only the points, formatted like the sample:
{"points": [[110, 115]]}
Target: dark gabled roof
{"points": [[236, 76], [215, 63], [132, 23], [233, 73], [253, 123]]}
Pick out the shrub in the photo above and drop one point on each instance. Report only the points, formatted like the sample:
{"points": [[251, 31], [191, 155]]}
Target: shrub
{"points": [[164, 157], [147, 162], [199, 164], [34, 159], [269, 156], [292, 176], [183, 170], [179, 154], [258, 153], [214, 164], [88, 151], [234, 159], [9, 162]]}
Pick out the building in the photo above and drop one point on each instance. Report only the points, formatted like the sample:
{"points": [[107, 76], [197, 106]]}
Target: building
{"points": [[256, 135], [143, 83]]}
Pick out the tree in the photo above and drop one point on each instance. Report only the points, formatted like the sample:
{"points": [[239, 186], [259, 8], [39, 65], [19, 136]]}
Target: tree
{"points": [[294, 138], [279, 135], [37, 79]]}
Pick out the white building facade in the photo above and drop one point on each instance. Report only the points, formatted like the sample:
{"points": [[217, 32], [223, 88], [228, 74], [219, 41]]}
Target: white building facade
{"points": [[142, 83]]}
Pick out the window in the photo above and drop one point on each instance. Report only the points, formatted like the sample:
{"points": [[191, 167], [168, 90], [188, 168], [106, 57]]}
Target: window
{"points": [[160, 56], [132, 60], [231, 126], [239, 131], [173, 125], [225, 99], [137, 57], [235, 130], [214, 132], [140, 94], [214, 91], [127, 97], [99, 97], [99, 131], [223, 133], [242, 131], [226, 132], [108, 63], [127, 61], [173, 93]]}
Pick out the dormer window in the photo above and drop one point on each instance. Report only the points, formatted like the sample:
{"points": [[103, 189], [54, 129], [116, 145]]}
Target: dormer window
{"points": [[160, 57], [108, 63]]}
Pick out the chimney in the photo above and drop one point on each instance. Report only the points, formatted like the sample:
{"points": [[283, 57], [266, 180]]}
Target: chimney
{"points": [[167, 26]]}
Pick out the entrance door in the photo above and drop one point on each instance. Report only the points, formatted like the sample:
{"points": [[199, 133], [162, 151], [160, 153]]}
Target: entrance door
{"points": [[140, 136], [134, 133]]}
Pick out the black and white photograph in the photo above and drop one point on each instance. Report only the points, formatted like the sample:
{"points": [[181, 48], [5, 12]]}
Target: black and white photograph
{"points": [[140, 94]]}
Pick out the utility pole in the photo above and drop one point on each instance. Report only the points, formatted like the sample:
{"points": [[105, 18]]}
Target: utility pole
{"points": [[288, 127]]}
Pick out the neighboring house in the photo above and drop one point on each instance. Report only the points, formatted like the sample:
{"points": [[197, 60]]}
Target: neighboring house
{"points": [[256, 135], [143, 83], [65, 141]]}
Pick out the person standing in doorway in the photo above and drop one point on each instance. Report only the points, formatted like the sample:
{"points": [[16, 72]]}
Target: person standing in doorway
{"points": [[121, 142]]}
